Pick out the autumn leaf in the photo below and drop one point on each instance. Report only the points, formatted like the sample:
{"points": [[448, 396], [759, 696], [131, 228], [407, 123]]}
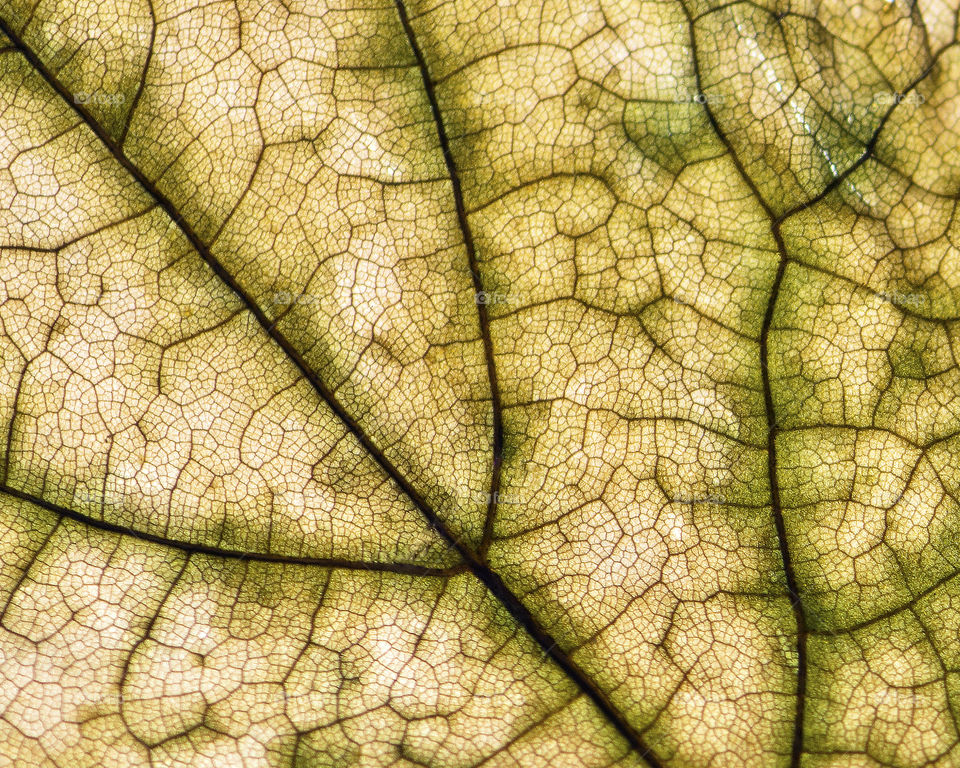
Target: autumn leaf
{"points": [[479, 384]]}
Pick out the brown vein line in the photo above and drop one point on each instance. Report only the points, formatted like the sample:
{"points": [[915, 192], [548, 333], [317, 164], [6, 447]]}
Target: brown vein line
{"points": [[142, 83], [191, 547], [491, 580], [890, 612], [484, 319], [773, 429], [793, 589], [870, 146], [230, 281]]}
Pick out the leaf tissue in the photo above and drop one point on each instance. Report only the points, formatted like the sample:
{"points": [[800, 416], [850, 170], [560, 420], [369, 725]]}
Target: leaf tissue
{"points": [[479, 384]]}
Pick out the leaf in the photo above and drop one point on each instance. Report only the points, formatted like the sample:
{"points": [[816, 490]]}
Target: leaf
{"points": [[494, 384]]}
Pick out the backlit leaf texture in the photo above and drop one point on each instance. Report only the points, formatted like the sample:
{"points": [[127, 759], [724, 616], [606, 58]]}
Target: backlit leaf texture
{"points": [[472, 383]]}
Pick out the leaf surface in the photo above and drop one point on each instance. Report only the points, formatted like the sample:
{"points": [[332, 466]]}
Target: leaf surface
{"points": [[501, 384]]}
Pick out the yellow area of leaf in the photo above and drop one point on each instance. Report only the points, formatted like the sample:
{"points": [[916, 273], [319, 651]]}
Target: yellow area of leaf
{"points": [[479, 384]]}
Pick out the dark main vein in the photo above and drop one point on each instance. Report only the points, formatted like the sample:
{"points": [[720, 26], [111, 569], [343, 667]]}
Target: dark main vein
{"points": [[773, 428], [191, 547], [793, 589], [490, 579], [479, 293]]}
